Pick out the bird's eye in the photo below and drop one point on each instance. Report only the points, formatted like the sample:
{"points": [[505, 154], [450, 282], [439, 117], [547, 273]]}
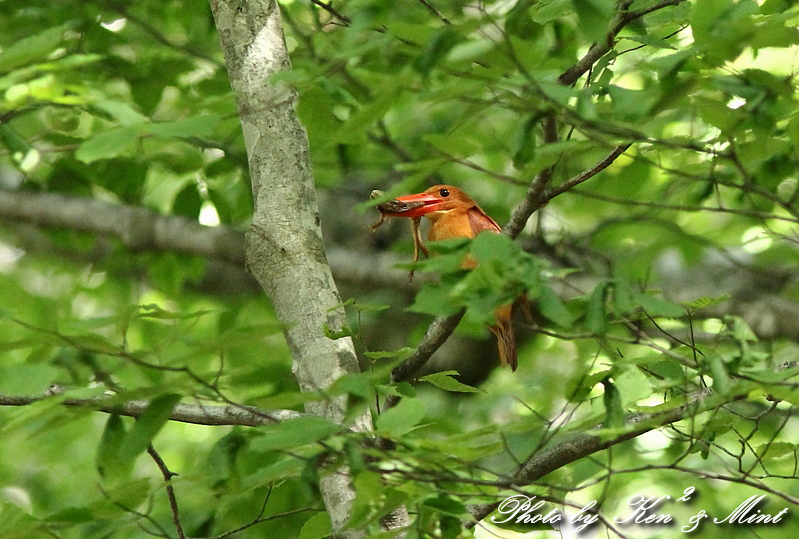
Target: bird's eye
{"points": [[444, 193]]}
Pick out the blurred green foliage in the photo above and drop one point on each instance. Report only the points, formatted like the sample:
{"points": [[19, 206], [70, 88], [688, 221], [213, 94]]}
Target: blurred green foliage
{"points": [[130, 104]]}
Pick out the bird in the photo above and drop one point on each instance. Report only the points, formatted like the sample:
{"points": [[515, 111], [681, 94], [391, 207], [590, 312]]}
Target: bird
{"points": [[454, 214]]}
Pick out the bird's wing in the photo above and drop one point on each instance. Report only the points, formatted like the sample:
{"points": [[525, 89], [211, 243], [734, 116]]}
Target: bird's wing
{"points": [[479, 221]]}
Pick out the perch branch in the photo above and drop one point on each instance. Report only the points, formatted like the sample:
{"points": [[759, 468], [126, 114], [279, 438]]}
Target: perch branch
{"points": [[185, 413]]}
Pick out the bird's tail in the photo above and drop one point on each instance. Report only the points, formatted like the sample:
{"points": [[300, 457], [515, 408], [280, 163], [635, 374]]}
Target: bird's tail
{"points": [[506, 339]]}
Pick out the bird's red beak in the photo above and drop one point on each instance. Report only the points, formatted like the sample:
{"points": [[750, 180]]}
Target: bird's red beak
{"points": [[430, 203]]}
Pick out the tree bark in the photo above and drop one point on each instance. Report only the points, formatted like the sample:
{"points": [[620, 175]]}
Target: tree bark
{"points": [[284, 248]]}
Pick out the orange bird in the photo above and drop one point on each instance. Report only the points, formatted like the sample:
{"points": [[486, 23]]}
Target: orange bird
{"points": [[453, 214]]}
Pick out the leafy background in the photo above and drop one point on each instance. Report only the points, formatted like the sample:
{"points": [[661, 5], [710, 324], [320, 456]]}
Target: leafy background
{"points": [[669, 271]]}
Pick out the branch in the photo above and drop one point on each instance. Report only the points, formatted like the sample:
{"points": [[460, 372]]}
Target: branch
{"points": [[333, 11], [437, 333], [586, 174], [435, 11], [170, 489], [249, 416], [534, 199], [537, 196], [139, 229], [598, 50], [541, 463]]}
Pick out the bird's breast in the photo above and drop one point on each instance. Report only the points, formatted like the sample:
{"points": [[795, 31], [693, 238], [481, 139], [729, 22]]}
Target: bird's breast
{"points": [[449, 225]]}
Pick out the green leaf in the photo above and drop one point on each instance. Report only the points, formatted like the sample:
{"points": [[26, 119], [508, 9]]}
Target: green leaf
{"points": [[107, 144], [447, 505], [315, 109], [202, 125], [721, 380], [402, 353], [549, 10], [470, 50], [331, 333], [553, 308], [370, 307], [706, 301], [793, 130], [614, 412], [316, 527], [581, 384], [12, 140], [658, 307], [108, 462], [741, 330], [436, 49], [130, 493], [27, 379], [28, 49], [121, 112], [220, 465], [434, 299], [719, 114], [523, 142], [364, 119], [632, 104], [775, 450], [667, 368], [595, 310], [293, 433], [489, 246], [633, 386], [401, 418], [353, 384], [444, 380], [92, 342], [623, 298], [72, 515], [188, 201], [147, 426], [453, 143], [594, 16]]}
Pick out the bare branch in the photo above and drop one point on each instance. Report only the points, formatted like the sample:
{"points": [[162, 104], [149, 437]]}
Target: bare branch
{"points": [[534, 199], [435, 11], [586, 174], [185, 413], [543, 462], [141, 229], [598, 50], [137, 228], [170, 490], [437, 333], [333, 11]]}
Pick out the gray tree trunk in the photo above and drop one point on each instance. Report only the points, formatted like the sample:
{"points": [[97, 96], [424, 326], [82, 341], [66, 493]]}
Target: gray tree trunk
{"points": [[284, 242]]}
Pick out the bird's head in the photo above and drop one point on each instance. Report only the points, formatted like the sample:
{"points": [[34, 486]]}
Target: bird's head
{"points": [[439, 198]]}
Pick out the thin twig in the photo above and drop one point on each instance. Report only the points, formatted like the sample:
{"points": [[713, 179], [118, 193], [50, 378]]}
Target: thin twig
{"points": [[161, 531], [534, 198], [333, 11], [200, 414], [170, 491], [574, 181], [435, 11], [437, 333]]}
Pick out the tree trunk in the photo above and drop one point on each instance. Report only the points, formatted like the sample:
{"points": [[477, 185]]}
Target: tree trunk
{"points": [[284, 246]]}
